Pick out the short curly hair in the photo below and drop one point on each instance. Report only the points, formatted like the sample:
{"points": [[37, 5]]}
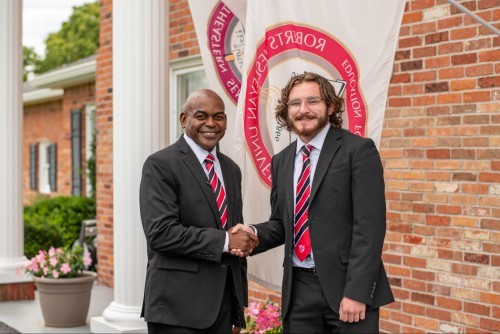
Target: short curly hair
{"points": [[327, 94]]}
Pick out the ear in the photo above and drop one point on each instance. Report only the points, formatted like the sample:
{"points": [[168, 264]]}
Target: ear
{"points": [[183, 119], [330, 110]]}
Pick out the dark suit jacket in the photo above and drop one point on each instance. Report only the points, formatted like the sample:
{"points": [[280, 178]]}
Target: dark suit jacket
{"points": [[187, 269], [346, 220]]}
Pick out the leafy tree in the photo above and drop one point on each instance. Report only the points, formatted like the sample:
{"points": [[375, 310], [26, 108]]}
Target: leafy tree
{"points": [[78, 38], [31, 60]]}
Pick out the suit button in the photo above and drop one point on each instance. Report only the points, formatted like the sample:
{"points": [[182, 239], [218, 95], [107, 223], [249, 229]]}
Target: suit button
{"points": [[223, 267]]}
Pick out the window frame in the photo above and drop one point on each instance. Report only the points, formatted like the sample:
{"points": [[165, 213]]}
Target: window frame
{"points": [[177, 69]]}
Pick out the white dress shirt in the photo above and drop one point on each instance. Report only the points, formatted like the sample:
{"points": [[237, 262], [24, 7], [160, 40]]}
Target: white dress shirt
{"points": [[317, 142]]}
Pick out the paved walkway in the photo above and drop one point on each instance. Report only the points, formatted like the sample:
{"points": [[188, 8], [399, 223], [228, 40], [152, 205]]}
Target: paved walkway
{"points": [[26, 316]]}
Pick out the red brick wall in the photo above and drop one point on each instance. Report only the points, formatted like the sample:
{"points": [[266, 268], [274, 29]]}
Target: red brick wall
{"points": [[51, 122], [104, 147], [440, 148]]}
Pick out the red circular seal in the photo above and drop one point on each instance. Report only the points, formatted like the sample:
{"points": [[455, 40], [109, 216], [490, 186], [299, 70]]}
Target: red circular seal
{"points": [[307, 43]]}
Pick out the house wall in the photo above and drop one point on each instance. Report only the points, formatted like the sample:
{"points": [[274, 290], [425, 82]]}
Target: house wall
{"points": [[440, 150], [51, 121]]}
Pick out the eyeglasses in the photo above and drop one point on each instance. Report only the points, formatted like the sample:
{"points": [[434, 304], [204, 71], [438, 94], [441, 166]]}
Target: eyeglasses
{"points": [[311, 102]]}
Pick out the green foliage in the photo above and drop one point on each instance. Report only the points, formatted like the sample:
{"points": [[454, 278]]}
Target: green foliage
{"points": [[31, 59], [78, 38], [55, 222]]}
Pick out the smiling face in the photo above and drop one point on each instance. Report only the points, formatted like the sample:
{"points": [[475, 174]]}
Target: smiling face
{"points": [[308, 119], [204, 118]]}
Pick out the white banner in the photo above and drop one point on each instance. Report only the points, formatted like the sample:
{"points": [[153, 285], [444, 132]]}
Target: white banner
{"points": [[351, 43], [221, 40]]}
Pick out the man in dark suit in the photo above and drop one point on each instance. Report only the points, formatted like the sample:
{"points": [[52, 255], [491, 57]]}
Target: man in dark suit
{"points": [[190, 195], [328, 208]]}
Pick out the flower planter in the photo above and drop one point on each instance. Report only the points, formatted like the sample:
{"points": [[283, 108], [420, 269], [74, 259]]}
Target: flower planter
{"points": [[65, 301]]}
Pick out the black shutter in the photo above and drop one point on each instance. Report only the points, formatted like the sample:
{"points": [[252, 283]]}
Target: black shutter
{"points": [[76, 152], [33, 165], [53, 167]]}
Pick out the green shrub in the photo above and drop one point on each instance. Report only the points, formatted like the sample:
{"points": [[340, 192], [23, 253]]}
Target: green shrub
{"points": [[55, 222]]}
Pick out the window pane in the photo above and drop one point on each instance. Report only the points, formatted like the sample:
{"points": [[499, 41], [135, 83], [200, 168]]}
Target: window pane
{"points": [[187, 83]]}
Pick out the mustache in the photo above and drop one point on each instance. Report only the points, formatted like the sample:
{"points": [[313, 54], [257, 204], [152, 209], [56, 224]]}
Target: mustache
{"points": [[305, 116]]}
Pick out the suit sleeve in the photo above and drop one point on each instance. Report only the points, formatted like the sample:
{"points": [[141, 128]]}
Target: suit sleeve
{"points": [[272, 232], [160, 218], [369, 223]]}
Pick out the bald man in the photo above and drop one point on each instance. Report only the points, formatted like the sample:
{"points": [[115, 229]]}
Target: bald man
{"points": [[190, 196]]}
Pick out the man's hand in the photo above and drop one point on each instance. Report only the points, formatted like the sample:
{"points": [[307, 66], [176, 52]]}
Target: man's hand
{"points": [[235, 330], [351, 310], [242, 240]]}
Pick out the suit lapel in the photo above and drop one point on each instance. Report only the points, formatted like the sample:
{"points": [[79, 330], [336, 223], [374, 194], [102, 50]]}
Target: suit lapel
{"points": [[332, 143], [193, 165]]}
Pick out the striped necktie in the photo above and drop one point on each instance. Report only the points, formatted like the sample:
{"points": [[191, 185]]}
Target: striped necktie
{"points": [[301, 228], [218, 188]]}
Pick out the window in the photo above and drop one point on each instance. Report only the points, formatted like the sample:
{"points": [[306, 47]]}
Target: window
{"points": [[47, 164], [186, 76], [90, 111]]}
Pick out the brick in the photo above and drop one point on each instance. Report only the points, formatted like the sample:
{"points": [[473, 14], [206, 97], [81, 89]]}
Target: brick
{"points": [[476, 96], [449, 98], [423, 52], [451, 72], [465, 84], [437, 87], [425, 76], [449, 303], [411, 65], [462, 59], [425, 323], [409, 42], [401, 317], [489, 56], [466, 319], [438, 154], [479, 70], [490, 224], [437, 37], [422, 298], [463, 154], [463, 33], [475, 44], [490, 324], [463, 109], [489, 82], [449, 22], [414, 285], [463, 269], [442, 290], [448, 48], [464, 177], [437, 62], [437, 220], [389, 327], [414, 308]]}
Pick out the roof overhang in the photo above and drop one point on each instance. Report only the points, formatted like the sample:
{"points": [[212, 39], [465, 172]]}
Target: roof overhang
{"points": [[42, 95], [67, 76]]}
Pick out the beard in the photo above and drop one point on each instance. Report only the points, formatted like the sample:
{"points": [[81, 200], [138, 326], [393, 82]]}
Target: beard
{"points": [[321, 122]]}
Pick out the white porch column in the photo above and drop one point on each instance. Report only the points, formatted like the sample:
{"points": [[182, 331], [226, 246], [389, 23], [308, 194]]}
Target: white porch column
{"points": [[140, 72], [11, 142]]}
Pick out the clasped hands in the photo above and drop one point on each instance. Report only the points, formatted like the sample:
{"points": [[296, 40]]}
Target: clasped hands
{"points": [[242, 240]]}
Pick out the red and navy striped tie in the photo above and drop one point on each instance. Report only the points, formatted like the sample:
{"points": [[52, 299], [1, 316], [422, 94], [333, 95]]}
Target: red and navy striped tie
{"points": [[218, 188], [301, 228]]}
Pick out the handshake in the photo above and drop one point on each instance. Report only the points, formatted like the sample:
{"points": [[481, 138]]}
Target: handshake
{"points": [[242, 240]]}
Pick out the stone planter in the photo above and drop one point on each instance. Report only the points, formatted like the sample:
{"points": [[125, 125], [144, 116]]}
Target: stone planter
{"points": [[65, 301]]}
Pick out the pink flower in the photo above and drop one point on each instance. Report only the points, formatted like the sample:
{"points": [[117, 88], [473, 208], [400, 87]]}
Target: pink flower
{"points": [[52, 251], [55, 274], [87, 260], [45, 271], [65, 268], [53, 261], [40, 257], [33, 266]]}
